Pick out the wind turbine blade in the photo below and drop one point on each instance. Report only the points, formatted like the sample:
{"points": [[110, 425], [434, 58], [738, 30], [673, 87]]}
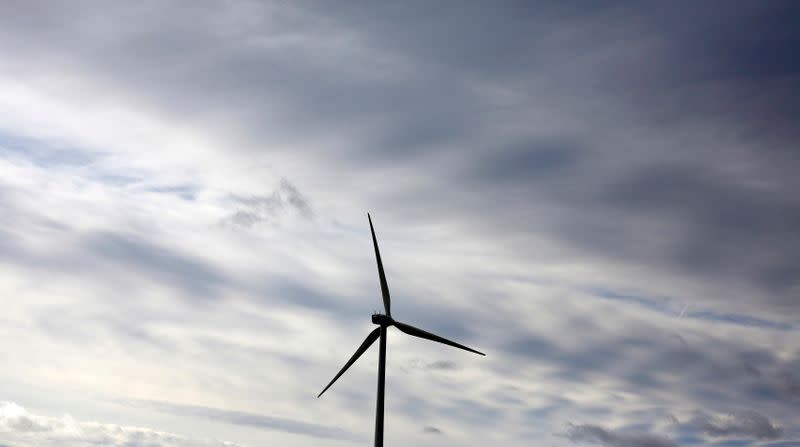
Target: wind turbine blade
{"points": [[411, 330], [384, 287], [361, 349]]}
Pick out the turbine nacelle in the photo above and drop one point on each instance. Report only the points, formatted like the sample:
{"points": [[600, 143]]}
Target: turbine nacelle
{"points": [[382, 320]]}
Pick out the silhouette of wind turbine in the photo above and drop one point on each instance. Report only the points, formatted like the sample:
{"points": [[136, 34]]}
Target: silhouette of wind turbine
{"points": [[384, 321]]}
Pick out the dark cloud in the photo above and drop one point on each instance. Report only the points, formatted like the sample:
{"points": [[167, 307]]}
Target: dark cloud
{"points": [[576, 124], [709, 372], [268, 209], [578, 365], [116, 252], [429, 430], [729, 227], [442, 365], [745, 54], [748, 423], [199, 278], [540, 160], [781, 444], [186, 192], [438, 365], [594, 434], [789, 381]]}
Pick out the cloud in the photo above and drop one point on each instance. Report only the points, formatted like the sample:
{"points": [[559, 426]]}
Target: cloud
{"points": [[15, 418], [430, 430], [706, 370], [747, 423], [445, 117], [723, 220], [165, 265], [442, 365], [789, 382], [250, 420], [20, 427], [439, 365], [593, 434], [549, 182], [254, 210]]}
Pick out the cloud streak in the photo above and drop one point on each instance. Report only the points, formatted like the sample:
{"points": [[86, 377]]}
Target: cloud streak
{"points": [[593, 434], [259, 421], [751, 424]]}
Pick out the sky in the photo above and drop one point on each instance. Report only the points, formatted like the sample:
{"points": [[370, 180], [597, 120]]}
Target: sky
{"points": [[598, 195]]}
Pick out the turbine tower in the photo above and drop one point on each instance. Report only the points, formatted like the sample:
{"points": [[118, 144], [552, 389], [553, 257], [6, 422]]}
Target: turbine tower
{"points": [[384, 321]]}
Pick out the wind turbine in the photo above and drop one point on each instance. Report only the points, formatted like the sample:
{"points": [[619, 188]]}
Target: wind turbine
{"points": [[384, 321]]}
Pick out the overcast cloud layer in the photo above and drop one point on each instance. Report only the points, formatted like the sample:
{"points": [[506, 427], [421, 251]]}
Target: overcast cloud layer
{"points": [[600, 197]]}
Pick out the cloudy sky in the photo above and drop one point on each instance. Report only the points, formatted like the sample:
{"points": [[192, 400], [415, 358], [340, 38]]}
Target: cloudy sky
{"points": [[601, 197]]}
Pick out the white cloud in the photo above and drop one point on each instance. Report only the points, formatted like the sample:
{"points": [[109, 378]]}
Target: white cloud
{"points": [[24, 429]]}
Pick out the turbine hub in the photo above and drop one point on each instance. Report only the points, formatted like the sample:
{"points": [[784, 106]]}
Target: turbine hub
{"points": [[382, 320]]}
